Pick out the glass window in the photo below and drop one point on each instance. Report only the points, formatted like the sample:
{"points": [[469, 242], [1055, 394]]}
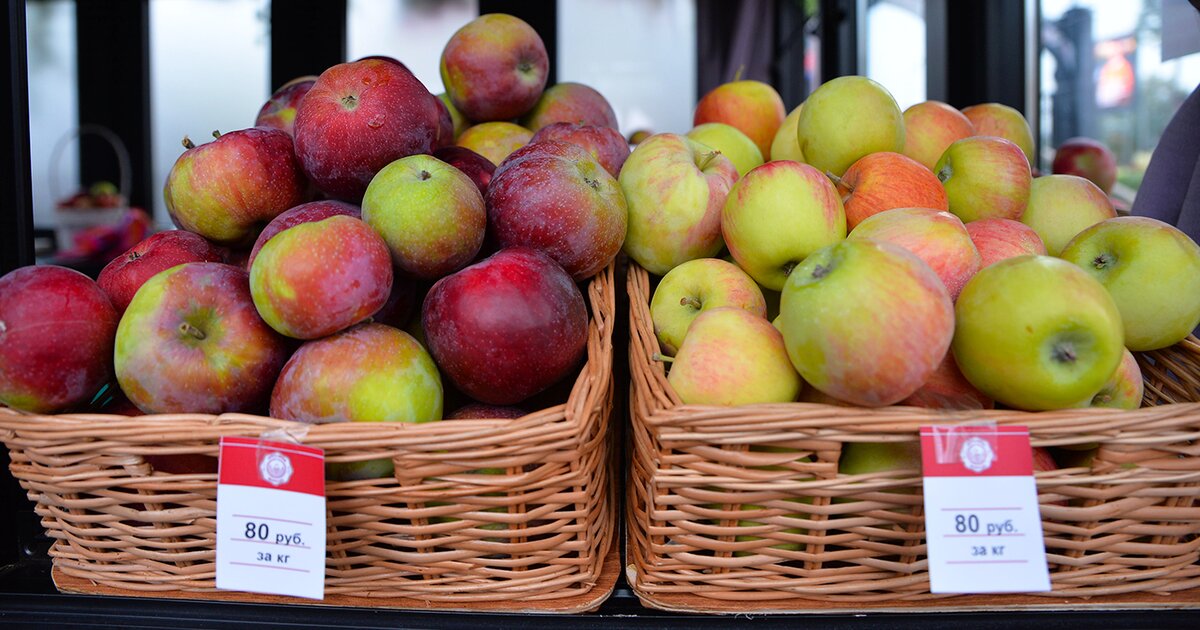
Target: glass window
{"points": [[209, 70], [54, 104], [640, 55], [1116, 72], [413, 31], [896, 48]]}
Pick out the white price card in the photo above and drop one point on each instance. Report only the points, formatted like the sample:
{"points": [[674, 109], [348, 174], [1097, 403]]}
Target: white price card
{"points": [[982, 524], [271, 518]]}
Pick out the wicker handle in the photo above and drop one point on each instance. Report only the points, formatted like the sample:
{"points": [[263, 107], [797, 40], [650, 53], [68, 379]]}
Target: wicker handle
{"points": [[122, 153]]}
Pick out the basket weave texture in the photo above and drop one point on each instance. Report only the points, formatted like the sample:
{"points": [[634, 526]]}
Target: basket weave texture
{"points": [[479, 511], [736, 509]]}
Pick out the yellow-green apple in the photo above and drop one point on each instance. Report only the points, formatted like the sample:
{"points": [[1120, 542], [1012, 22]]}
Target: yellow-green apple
{"points": [[777, 215], [985, 178], [369, 373], [995, 119], [1061, 206], [885, 180], [316, 278], [605, 144], [997, 239], [494, 68], [929, 128], [56, 338], [947, 388], [572, 103], [191, 341], [1124, 389], [303, 213], [638, 136], [861, 458], [731, 142], [845, 119], [473, 165], [122, 276], [1036, 333], [786, 143], [227, 189], [733, 357], [506, 328], [568, 207], [358, 118], [937, 237], [1087, 158], [279, 111], [1152, 271], [430, 214], [696, 286], [865, 321], [753, 107], [494, 140], [481, 410], [675, 188], [458, 122]]}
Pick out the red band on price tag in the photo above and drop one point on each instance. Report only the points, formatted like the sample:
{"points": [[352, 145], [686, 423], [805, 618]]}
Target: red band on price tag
{"points": [[272, 465], [966, 451]]}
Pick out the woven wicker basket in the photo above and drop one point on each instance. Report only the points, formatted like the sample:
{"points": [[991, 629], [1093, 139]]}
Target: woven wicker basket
{"points": [[715, 522], [539, 538]]}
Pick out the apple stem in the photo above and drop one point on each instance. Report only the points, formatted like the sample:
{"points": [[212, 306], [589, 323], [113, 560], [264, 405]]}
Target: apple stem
{"points": [[737, 76], [708, 158], [216, 133], [837, 181], [664, 358], [189, 329], [188, 144], [691, 301]]}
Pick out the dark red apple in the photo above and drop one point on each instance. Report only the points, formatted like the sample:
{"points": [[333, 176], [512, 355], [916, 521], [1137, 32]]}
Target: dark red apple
{"points": [[279, 112], [572, 209], [506, 328], [473, 165], [605, 144], [56, 338], [122, 276], [480, 410], [1087, 158], [402, 302], [445, 134], [358, 118], [303, 213]]}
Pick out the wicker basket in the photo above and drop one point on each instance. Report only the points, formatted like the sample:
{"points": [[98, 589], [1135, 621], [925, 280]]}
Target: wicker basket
{"points": [[441, 534], [715, 522]]}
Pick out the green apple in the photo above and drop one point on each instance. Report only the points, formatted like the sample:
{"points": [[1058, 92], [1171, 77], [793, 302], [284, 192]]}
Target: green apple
{"points": [[861, 458], [786, 144], [1036, 333], [694, 287], [1061, 206], [985, 178], [865, 321], [845, 119], [1124, 389], [1152, 271], [995, 119], [733, 357], [731, 142], [777, 215], [674, 188]]}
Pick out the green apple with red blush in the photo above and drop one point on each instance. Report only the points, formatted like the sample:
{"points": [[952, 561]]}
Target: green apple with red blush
{"points": [[696, 286]]}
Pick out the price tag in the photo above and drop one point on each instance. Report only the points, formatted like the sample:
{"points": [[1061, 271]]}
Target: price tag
{"points": [[982, 524], [271, 518]]}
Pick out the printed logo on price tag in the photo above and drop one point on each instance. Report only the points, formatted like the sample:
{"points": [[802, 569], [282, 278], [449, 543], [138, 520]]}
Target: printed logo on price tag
{"points": [[982, 523], [271, 518]]}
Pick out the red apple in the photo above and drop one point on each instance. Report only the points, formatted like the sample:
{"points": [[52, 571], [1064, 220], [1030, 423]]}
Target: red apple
{"points": [[938, 238], [930, 127], [358, 118], [191, 341], [883, 181], [572, 209], [997, 239], [605, 144], [226, 189], [947, 388], [303, 213], [56, 338], [445, 133], [402, 302], [1124, 389], [480, 410], [494, 68], [753, 107], [122, 276], [506, 328], [572, 103], [473, 165], [316, 278], [1087, 158], [279, 112]]}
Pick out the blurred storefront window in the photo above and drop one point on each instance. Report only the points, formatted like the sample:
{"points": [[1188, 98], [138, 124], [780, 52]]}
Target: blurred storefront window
{"points": [[895, 48], [53, 98], [413, 31]]}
